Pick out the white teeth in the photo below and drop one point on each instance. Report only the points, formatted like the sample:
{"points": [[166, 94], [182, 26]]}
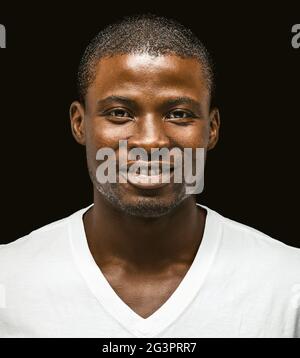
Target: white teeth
{"points": [[155, 171], [150, 170], [144, 170]]}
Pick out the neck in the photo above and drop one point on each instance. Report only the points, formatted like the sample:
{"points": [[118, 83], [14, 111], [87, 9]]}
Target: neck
{"points": [[144, 243]]}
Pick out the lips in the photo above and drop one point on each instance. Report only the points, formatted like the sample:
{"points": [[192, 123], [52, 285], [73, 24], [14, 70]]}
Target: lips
{"points": [[142, 167], [148, 175]]}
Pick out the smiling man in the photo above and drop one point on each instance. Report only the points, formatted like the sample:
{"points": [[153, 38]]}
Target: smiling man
{"points": [[145, 260]]}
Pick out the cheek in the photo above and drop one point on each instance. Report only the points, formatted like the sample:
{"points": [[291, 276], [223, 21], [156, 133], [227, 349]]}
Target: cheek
{"points": [[101, 133], [97, 136], [195, 135]]}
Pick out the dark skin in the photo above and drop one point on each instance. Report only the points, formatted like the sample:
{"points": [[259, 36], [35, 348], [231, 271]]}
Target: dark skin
{"points": [[145, 258]]}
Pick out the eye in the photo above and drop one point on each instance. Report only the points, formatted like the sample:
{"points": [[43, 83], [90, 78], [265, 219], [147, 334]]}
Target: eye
{"points": [[119, 112], [180, 117], [118, 115], [180, 114]]}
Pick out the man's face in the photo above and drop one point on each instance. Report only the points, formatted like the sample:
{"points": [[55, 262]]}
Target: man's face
{"points": [[152, 102]]}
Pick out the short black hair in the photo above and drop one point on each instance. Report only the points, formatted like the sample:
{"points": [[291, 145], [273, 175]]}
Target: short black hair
{"points": [[143, 33]]}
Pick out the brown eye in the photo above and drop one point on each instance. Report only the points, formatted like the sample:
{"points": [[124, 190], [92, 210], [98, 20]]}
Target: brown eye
{"points": [[119, 113], [179, 114]]}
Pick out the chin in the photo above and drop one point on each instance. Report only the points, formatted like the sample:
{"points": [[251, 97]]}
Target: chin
{"points": [[150, 207], [140, 205]]}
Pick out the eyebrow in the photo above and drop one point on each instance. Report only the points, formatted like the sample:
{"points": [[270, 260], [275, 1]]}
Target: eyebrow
{"points": [[120, 99], [183, 100], [167, 103]]}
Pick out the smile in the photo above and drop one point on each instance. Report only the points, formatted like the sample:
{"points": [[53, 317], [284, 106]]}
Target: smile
{"points": [[148, 175]]}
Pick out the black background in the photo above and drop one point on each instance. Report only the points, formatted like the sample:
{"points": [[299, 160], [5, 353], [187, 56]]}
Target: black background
{"points": [[251, 176]]}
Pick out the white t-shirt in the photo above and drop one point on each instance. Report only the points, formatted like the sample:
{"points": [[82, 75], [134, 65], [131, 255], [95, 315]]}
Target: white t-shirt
{"points": [[241, 283]]}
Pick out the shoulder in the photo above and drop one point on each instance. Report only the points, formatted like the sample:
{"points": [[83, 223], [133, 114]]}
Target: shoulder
{"points": [[255, 250], [35, 239], [36, 249]]}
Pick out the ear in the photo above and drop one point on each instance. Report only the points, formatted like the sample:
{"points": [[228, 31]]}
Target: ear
{"points": [[214, 121], [77, 122]]}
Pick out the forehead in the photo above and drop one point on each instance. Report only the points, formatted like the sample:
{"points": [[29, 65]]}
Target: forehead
{"points": [[146, 75]]}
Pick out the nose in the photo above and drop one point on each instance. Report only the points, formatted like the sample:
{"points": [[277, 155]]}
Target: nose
{"points": [[149, 133]]}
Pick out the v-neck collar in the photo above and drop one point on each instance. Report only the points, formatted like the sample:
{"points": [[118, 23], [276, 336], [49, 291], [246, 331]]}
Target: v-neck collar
{"points": [[116, 307]]}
